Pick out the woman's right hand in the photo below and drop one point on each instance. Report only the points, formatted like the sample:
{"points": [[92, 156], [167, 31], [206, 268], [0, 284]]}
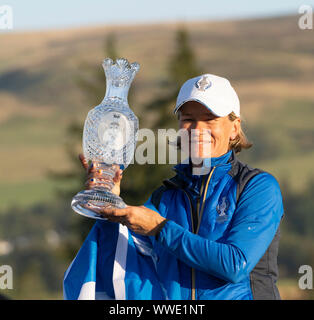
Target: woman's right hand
{"points": [[93, 175]]}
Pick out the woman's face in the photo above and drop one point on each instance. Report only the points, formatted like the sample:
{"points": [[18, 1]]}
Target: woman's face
{"points": [[211, 134]]}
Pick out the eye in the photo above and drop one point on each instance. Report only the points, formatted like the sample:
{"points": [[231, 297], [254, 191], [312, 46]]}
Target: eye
{"points": [[187, 119]]}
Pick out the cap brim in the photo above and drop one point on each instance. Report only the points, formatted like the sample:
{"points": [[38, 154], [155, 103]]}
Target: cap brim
{"points": [[205, 105]]}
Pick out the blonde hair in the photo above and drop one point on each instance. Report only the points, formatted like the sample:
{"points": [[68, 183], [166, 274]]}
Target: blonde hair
{"points": [[241, 141]]}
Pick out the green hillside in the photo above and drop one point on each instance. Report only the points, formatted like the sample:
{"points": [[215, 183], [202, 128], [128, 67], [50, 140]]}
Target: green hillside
{"points": [[269, 61]]}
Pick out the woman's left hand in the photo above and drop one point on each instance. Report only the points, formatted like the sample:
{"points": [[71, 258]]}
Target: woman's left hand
{"points": [[139, 219]]}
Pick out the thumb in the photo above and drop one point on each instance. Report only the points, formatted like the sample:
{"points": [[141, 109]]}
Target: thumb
{"points": [[118, 176], [83, 161]]}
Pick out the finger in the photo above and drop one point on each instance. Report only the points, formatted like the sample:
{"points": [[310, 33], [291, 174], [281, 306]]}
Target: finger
{"points": [[97, 175], [114, 212], [108, 212], [83, 161], [90, 184], [118, 176], [100, 174], [98, 210], [91, 168], [93, 183]]}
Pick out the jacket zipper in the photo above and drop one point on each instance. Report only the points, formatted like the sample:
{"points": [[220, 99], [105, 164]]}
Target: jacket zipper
{"points": [[193, 230], [193, 297], [199, 198], [204, 196]]}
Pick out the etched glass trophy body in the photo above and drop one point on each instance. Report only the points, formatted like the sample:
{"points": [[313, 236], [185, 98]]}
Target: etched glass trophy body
{"points": [[109, 138]]}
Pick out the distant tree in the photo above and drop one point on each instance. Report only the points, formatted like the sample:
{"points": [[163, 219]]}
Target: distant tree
{"points": [[183, 64], [181, 67], [93, 81]]}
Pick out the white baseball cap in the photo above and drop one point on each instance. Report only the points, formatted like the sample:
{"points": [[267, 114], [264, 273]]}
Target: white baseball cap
{"points": [[214, 92]]}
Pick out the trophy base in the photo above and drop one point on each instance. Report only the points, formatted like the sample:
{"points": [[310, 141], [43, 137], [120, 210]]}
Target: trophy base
{"points": [[97, 199]]}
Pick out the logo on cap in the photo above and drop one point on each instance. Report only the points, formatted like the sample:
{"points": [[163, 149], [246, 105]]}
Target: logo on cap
{"points": [[203, 84]]}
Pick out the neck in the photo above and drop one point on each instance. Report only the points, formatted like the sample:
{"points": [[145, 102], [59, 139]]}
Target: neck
{"points": [[210, 160]]}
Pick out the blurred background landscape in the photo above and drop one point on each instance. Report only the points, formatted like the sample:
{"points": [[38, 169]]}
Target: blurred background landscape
{"points": [[50, 79]]}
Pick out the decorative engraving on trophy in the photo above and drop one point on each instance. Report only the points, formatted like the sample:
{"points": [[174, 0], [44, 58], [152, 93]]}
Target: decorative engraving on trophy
{"points": [[115, 130]]}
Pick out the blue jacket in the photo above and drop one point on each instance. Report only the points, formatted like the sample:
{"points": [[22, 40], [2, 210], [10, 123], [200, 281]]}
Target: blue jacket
{"points": [[220, 241], [231, 252]]}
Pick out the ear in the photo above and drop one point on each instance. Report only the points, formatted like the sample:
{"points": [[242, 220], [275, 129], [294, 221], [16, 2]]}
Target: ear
{"points": [[235, 128]]}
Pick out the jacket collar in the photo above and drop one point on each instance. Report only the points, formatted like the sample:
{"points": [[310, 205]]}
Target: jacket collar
{"points": [[186, 168], [192, 182]]}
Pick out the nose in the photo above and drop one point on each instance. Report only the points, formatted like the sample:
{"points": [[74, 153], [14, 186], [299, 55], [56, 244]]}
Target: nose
{"points": [[199, 132], [199, 128]]}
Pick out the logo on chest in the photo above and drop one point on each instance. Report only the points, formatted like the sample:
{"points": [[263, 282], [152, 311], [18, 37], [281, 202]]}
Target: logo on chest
{"points": [[222, 209]]}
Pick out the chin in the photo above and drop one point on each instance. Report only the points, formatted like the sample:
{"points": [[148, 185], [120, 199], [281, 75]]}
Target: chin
{"points": [[213, 154]]}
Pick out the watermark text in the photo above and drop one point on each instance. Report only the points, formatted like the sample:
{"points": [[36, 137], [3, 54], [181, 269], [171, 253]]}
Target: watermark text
{"points": [[306, 19], [6, 17], [6, 277], [306, 281]]}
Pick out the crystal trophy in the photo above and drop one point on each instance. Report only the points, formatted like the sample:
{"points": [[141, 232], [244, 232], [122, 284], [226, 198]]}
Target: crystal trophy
{"points": [[109, 138]]}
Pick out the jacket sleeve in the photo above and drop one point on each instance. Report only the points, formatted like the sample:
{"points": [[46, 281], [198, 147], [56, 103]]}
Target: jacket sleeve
{"points": [[253, 226]]}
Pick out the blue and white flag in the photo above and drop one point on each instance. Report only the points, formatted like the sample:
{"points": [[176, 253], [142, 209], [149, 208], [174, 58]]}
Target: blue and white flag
{"points": [[113, 263]]}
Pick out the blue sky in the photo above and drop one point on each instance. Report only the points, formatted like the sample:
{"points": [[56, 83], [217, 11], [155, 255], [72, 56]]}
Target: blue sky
{"points": [[48, 14]]}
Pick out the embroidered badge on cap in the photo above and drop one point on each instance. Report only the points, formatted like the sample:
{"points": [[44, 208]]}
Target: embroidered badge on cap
{"points": [[203, 84]]}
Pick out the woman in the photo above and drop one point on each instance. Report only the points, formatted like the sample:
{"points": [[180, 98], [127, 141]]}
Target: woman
{"points": [[214, 235]]}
